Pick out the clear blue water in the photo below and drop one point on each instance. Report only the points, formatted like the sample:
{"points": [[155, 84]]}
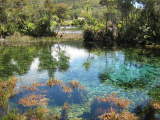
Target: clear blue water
{"points": [[130, 73]]}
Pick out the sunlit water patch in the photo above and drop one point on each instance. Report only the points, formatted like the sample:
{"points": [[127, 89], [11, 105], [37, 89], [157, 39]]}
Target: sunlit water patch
{"points": [[68, 73]]}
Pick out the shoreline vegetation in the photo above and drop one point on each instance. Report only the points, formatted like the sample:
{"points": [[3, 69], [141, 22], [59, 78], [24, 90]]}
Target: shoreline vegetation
{"points": [[19, 40], [118, 23], [127, 25]]}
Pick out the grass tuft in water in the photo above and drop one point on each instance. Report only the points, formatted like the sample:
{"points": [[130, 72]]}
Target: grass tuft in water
{"points": [[34, 100], [7, 90], [123, 103], [113, 115], [54, 82], [67, 89], [75, 84]]}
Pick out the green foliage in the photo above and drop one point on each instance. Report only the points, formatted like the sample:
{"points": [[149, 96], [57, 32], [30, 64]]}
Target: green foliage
{"points": [[14, 116], [6, 91], [154, 93], [78, 22], [61, 9], [30, 17], [129, 25]]}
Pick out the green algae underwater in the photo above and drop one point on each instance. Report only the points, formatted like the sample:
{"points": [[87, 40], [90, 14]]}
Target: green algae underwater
{"points": [[69, 81]]}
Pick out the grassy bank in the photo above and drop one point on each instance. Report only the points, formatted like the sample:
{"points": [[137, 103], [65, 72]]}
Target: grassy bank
{"points": [[19, 40]]}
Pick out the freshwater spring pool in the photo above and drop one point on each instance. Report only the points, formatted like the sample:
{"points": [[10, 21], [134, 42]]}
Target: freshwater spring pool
{"points": [[132, 74]]}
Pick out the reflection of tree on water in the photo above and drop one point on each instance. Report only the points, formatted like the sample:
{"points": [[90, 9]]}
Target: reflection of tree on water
{"points": [[134, 71], [18, 60], [53, 62], [87, 64], [47, 62], [129, 70]]}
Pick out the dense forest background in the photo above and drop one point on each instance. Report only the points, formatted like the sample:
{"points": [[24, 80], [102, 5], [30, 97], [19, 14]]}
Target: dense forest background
{"points": [[108, 21]]}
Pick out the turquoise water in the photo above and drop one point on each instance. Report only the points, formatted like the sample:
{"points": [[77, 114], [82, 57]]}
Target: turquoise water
{"points": [[133, 74]]}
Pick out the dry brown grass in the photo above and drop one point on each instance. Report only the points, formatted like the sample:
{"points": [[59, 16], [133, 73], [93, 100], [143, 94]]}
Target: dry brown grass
{"points": [[156, 105], [34, 100], [67, 89], [124, 103], [54, 82], [7, 90], [33, 87], [70, 36], [66, 106], [118, 116], [76, 84]]}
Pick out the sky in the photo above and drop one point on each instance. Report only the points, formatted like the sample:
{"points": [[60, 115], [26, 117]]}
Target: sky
{"points": [[138, 5]]}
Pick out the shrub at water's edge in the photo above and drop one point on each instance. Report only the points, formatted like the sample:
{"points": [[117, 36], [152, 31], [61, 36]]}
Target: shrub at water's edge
{"points": [[127, 25]]}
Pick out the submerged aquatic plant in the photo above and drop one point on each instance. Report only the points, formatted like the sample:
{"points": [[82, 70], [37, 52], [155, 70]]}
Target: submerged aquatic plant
{"points": [[34, 100], [14, 116], [38, 84], [154, 93], [124, 103], [34, 87], [67, 89], [118, 116], [156, 105], [109, 116], [75, 84], [30, 88], [64, 112], [39, 113], [54, 82], [7, 90], [107, 107], [66, 106]]}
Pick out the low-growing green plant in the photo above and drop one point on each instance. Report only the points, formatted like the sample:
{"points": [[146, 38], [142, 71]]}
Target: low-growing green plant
{"points": [[13, 115], [6, 91]]}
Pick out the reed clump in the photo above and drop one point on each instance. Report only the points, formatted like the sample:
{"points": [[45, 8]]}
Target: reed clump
{"points": [[33, 87], [123, 103], [75, 84], [30, 88], [113, 115], [156, 105], [13, 115], [66, 106], [67, 89], [39, 113], [7, 90], [34, 100], [54, 82]]}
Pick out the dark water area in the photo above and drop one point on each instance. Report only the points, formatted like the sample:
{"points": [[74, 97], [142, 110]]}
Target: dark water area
{"points": [[131, 73]]}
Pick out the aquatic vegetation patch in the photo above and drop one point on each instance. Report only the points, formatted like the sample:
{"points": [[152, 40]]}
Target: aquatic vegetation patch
{"points": [[30, 88], [64, 112], [126, 80], [34, 100], [75, 84], [67, 89], [39, 113], [118, 116], [13, 115], [156, 105], [123, 103], [110, 105], [61, 92], [54, 82], [7, 90], [155, 93], [34, 87]]}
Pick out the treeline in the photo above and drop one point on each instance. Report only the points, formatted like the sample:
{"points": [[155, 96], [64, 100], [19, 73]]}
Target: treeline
{"points": [[134, 22], [30, 17]]}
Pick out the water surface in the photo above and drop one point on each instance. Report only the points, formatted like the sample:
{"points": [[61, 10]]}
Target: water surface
{"points": [[132, 74]]}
